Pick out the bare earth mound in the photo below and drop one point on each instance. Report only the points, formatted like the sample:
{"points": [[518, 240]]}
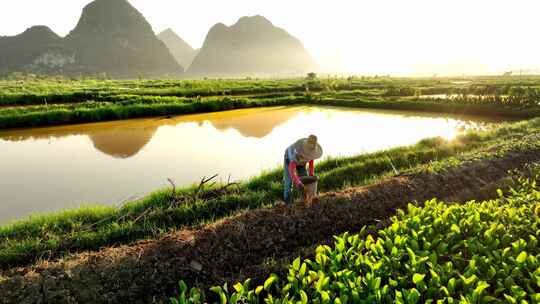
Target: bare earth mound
{"points": [[148, 271]]}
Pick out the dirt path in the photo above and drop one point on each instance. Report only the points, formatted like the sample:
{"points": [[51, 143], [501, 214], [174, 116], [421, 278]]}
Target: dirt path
{"points": [[229, 249]]}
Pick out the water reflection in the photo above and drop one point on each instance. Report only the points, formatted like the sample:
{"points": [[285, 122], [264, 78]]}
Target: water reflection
{"points": [[256, 123], [124, 139], [117, 139], [122, 142], [48, 169]]}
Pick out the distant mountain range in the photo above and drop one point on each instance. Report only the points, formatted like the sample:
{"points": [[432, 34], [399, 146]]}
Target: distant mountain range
{"points": [[181, 50], [113, 38]]}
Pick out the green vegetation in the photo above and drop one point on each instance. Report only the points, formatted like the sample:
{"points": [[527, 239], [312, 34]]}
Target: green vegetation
{"points": [[35, 91], [125, 108], [91, 228], [473, 253], [478, 252], [130, 106], [40, 102], [440, 105]]}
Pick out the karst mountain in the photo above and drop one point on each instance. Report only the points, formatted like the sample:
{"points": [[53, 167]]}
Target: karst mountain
{"points": [[111, 38], [254, 46]]}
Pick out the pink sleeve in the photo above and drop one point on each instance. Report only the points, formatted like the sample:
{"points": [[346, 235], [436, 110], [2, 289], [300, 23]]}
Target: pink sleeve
{"points": [[292, 173], [311, 168]]}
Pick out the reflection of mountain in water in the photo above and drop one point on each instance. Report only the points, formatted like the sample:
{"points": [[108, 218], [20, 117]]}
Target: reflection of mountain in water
{"points": [[124, 139], [120, 139], [256, 123], [122, 142]]}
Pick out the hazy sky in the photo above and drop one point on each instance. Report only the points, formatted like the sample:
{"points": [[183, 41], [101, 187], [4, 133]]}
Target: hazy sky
{"points": [[361, 36]]}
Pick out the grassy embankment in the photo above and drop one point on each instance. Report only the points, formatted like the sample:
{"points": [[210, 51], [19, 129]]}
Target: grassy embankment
{"points": [[41, 92], [145, 106], [90, 228], [67, 102], [478, 252], [35, 91], [47, 91]]}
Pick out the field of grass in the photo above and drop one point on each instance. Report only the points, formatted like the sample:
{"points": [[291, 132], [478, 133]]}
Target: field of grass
{"points": [[477, 252], [91, 228], [42, 91], [42, 102]]}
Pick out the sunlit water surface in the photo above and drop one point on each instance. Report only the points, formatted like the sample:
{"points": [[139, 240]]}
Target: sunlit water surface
{"points": [[48, 169]]}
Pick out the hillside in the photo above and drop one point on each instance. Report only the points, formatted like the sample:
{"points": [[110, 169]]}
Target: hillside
{"points": [[251, 46], [34, 49], [111, 37]]}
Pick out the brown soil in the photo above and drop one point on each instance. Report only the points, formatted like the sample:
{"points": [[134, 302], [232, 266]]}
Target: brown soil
{"points": [[240, 246]]}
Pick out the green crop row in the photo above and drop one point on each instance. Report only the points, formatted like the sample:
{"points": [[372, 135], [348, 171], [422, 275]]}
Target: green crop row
{"points": [[120, 107], [126, 109], [41, 91], [44, 92], [441, 105], [478, 252]]}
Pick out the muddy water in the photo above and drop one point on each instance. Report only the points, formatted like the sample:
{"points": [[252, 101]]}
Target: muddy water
{"points": [[49, 169]]}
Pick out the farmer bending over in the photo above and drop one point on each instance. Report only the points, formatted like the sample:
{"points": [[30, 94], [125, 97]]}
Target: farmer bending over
{"points": [[303, 151]]}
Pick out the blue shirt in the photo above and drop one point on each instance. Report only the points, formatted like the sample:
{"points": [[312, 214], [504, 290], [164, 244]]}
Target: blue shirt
{"points": [[292, 154]]}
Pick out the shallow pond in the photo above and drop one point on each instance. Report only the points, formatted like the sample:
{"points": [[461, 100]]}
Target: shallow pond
{"points": [[48, 169]]}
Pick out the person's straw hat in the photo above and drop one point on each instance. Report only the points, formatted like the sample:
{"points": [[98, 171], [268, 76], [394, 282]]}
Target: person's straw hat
{"points": [[309, 148]]}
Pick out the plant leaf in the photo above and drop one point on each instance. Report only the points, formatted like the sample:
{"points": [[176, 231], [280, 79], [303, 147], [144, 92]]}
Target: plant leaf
{"points": [[418, 277]]}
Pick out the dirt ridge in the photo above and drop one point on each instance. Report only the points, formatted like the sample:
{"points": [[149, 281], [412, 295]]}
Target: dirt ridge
{"points": [[147, 271]]}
